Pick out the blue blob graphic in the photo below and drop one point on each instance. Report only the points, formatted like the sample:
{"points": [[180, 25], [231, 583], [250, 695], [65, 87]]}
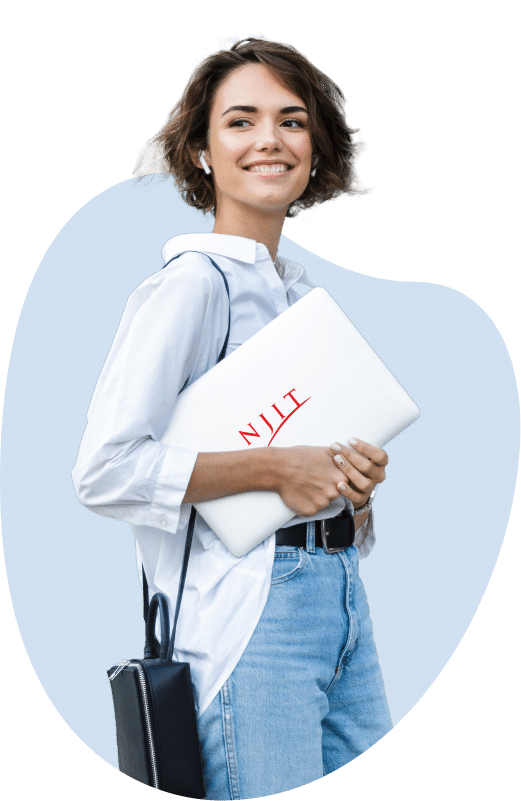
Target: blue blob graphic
{"points": [[440, 517]]}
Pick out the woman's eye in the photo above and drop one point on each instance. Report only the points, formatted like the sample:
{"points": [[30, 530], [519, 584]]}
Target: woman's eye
{"points": [[294, 123], [239, 123]]}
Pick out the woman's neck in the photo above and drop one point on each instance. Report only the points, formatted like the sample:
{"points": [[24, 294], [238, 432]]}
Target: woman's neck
{"points": [[265, 228]]}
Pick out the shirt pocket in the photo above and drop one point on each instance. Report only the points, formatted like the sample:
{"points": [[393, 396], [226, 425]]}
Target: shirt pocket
{"points": [[288, 563]]}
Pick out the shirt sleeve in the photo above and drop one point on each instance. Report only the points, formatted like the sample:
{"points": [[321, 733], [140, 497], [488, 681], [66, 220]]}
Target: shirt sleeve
{"points": [[172, 329], [364, 537], [364, 534]]}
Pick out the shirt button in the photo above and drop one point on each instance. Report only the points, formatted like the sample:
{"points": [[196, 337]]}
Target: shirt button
{"points": [[163, 522]]}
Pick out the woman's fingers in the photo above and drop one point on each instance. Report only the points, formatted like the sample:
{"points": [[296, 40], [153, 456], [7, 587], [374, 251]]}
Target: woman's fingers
{"points": [[351, 492], [368, 460], [358, 480], [377, 455], [364, 467], [362, 463]]}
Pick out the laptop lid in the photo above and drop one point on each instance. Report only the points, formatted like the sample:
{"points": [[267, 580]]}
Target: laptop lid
{"points": [[307, 378]]}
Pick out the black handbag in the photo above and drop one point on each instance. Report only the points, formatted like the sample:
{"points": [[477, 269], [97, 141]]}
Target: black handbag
{"points": [[156, 722]]}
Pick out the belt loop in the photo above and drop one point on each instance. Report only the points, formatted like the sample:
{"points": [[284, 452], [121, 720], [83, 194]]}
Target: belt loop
{"points": [[310, 537]]}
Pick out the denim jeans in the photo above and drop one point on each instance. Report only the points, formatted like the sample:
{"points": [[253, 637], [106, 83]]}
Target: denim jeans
{"points": [[307, 695]]}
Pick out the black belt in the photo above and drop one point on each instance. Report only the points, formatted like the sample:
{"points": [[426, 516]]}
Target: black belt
{"points": [[333, 535]]}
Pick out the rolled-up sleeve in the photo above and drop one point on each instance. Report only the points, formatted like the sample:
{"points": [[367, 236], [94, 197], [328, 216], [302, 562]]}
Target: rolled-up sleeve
{"points": [[173, 327], [364, 534], [364, 537]]}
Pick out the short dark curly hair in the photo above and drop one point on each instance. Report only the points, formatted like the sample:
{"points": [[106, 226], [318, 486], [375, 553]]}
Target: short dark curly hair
{"points": [[185, 131]]}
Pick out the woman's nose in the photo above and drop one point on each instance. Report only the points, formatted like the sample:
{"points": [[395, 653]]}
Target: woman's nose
{"points": [[268, 136]]}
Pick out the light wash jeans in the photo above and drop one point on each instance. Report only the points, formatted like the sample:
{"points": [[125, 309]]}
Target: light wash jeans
{"points": [[307, 695]]}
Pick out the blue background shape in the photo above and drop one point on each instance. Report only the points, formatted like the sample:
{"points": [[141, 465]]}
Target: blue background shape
{"points": [[440, 517]]}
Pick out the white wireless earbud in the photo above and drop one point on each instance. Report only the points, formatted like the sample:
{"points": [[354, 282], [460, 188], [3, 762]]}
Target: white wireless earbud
{"points": [[202, 159]]}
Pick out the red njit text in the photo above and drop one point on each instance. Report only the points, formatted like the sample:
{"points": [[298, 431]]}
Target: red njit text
{"points": [[271, 431]]}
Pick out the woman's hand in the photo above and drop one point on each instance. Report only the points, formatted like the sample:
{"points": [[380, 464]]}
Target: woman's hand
{"points": [[308, 478], [364, 468]]}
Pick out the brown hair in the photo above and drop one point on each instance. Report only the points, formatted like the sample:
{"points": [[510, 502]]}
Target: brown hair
{"points": [[186, 129]]}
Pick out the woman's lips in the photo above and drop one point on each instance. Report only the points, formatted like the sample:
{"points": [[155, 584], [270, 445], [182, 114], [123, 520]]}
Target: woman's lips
{"points": [[269, 170], [276, 166]]}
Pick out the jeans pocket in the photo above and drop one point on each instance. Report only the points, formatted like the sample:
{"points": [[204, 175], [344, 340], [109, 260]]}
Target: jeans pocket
{"points": [[288, 563]]}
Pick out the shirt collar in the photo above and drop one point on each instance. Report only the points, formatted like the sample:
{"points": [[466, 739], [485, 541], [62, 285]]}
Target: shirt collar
{"points": [[238, 248], [291, 272], [234, 247]]}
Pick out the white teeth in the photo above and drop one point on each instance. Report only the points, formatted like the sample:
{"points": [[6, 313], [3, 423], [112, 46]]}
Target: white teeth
{"points": [[268, 168]]}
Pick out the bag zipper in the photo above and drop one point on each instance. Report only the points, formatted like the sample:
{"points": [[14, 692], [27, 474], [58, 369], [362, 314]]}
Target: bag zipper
{"points": [[141, 674]]}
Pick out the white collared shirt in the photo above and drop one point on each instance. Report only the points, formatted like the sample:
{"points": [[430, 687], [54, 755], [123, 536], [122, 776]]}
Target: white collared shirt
{"points": [[173, 327]]}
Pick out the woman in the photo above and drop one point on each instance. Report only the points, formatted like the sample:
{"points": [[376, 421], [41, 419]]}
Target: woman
{"points": [[286, 676]]}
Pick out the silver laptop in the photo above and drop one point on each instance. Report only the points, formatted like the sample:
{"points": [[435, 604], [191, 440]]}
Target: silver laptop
{"points": [[306, 378]]}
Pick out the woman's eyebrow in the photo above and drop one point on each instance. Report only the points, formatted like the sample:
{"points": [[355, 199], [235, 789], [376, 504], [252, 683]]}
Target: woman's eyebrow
{"points": [[254, 109]]}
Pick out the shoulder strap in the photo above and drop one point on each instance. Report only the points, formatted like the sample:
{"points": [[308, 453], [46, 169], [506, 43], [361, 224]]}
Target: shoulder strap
{"points": [[193, 513], [188, 544], [223, 350]]}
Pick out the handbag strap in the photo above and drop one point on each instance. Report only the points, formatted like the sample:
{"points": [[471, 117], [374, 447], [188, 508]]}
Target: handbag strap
{"points": [[223, 350], [188, 543], [158, 603], [193, 513]]}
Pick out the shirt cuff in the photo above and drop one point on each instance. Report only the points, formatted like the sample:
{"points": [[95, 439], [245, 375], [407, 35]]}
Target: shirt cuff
{"points": [[364, 537], [171, 484]]}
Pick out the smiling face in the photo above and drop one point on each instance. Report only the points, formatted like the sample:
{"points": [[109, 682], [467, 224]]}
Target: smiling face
{"points": [[259, 144]]}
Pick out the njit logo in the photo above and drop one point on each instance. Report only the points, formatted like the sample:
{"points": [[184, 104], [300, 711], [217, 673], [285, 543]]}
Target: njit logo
{"points": [[284, 418]]}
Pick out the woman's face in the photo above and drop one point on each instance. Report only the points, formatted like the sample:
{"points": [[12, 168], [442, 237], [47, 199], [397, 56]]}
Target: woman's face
{"points": [[259, 143]]}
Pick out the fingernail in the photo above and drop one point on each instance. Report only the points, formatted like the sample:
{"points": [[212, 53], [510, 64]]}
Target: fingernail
{"points": [[342, 487], [352, 441], [335, 446], [338, 460]]}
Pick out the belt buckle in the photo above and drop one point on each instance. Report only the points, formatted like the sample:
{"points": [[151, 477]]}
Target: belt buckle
{"points": [[323, 534]]}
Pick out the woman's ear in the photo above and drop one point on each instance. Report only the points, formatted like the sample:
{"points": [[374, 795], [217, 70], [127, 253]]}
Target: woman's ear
{"points": [[202, 162], [199, 160]]}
